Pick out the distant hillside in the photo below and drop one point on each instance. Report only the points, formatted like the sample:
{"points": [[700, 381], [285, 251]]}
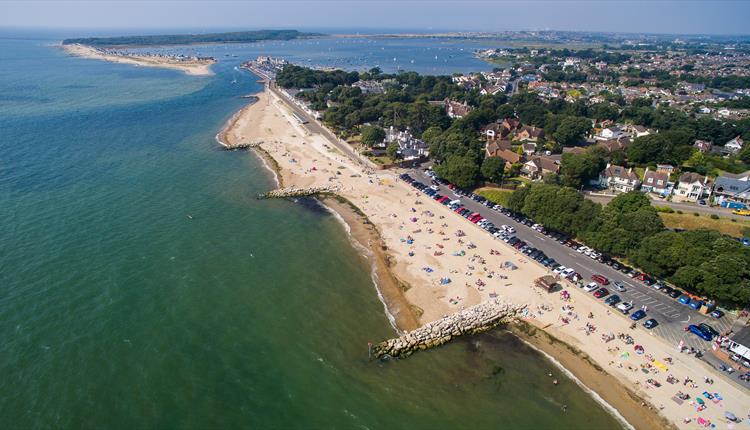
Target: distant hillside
{"points": [[186, 39]]}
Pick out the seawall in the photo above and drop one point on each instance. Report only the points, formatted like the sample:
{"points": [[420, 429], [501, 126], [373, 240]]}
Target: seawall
{"points": [[475, 319]]}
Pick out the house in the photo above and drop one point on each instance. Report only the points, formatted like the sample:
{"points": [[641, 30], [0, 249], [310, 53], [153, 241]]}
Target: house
{"points": [[732, 187], [577, 150], [734, 146], [494, 147], [495, 131], [510, 157], [692, 187], [656, 182], [665, 168], [370, 87], [618, 179], [638, 130], [740, 343], [703, 146], [610, 133], [613, 145], [511, 124], [456, 109], [537, 167], [530, 133], [410, 147], [529, 148]]}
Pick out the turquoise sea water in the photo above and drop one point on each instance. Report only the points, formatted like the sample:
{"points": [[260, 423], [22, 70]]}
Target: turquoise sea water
{"points": [[119, 311]]}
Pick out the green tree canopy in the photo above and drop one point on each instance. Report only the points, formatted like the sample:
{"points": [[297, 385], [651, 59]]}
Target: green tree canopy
{"points": [[492, 169], [372, 135]]}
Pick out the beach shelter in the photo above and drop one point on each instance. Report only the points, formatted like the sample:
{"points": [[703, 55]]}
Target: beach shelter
{"points": [[700, 401]]}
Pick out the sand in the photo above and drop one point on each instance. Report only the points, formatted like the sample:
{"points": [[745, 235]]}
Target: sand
{"points": [[416, 238], [194, 68]]}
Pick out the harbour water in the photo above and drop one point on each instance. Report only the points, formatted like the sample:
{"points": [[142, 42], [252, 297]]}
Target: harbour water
{"points": [[142, 285]]}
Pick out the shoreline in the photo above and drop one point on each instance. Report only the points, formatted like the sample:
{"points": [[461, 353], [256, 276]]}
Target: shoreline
{"points": [[404, 316], [192, 67], [376, 209], [611, 392]]}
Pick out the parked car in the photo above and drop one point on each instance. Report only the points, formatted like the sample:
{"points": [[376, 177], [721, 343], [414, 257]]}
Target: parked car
{"points": [[612, 300], [675, 293], [695, 304], [650, 323], [619, 286], [684, 299], [625, 307], [703, 334], [708, 328], [601, 292], [590, 287], [600, 279], [638, 315], [717, 314]]}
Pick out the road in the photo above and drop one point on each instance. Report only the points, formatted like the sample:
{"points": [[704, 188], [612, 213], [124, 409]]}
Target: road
{"points": [[671, 315], [687, 208], [313, 126]]}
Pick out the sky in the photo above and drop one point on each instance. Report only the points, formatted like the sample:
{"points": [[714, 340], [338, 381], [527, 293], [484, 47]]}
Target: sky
{"points": [[673, 17]]}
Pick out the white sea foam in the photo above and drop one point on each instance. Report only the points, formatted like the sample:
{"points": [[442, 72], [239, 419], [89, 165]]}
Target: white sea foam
{"points": [[373, 267], [597, 398]]}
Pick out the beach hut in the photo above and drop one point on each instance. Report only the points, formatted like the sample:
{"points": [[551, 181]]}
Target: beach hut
{"points": [[546, 282]]}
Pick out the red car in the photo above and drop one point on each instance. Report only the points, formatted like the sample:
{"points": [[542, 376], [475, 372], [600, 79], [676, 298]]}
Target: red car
{"points": [[600, 279], [458, 209], [601, 292]]}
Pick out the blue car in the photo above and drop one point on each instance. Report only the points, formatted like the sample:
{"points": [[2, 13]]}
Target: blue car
{"points": [[637, 315], [695, 304], [684, 299], [700, 332]]}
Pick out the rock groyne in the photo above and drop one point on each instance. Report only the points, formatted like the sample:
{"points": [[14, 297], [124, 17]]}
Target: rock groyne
{"points": [[298, 192], [475, 319]]}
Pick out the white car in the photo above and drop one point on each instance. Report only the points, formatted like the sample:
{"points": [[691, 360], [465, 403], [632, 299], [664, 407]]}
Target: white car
{"points": [[624, 307], [583, 249], [591, 286], [567, 272], [594, 255], [559, 270], [434, 188]]}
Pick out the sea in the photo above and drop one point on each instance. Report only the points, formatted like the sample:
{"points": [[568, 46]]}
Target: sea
{"points": [[143, 285]]}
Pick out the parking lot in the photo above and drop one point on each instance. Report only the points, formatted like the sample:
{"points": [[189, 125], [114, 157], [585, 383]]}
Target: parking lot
{"points": [[671, 315]]}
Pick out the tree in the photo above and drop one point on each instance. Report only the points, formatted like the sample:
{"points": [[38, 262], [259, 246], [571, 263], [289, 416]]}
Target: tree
{"points": [[392, 150], [459, 170], [492, 169], [571, 130], [577, 169], [624, 223], [372, 135]]}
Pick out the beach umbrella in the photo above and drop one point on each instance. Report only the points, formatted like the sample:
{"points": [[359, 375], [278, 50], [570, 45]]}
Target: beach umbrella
{"points": [[700, 401], [730, 416]]}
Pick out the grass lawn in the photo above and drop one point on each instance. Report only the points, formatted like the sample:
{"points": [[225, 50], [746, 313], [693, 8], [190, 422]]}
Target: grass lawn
{"points": [[382, 160], [496, 195], [688, 221]]}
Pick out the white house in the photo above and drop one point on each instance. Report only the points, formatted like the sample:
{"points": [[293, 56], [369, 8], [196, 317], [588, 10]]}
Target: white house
{"points": [[618, 179], [610, 133], [656, 181], [692, 187], [734, 146]]}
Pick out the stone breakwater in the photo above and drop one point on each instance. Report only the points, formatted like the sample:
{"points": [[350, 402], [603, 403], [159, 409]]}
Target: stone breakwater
{"points": [[242, 145], [475, 319], [298, 192]]}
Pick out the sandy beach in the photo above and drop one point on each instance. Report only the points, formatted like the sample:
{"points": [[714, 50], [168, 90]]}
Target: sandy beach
{"points": [[416, 242], [194, 68]]}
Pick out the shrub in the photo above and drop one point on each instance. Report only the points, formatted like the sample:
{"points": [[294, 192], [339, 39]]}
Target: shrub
{"points": [[696, 214], [714, 216], [679, 212]]}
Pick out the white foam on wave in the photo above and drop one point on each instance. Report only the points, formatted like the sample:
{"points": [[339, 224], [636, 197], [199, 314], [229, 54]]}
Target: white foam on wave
{"points": [[373, 267], [597, 398]]}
